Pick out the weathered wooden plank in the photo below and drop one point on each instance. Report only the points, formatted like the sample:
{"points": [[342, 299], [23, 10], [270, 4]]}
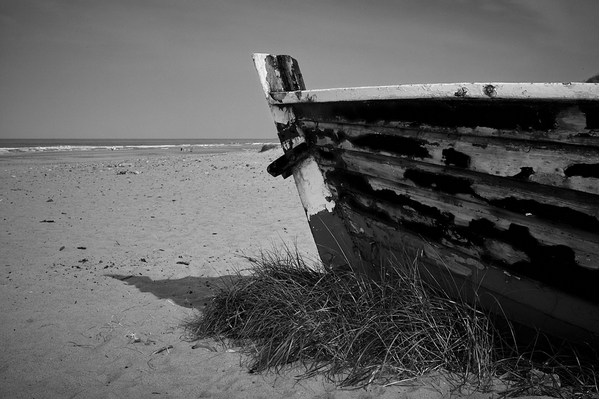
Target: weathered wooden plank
{"points": [[456, 91], [544, 163], [539, 117], [565, 206], [458, 222], [573, 132], [519, 300], [505, 284]]}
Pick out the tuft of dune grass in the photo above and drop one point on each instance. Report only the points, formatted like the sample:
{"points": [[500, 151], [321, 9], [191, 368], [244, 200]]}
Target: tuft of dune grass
{"points": [[342, 325], [356, 331]]}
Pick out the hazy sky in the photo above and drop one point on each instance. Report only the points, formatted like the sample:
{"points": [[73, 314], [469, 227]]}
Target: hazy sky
{"points": [[183, 68]]}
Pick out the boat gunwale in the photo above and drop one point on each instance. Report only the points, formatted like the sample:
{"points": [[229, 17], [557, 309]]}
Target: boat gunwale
{"points": [[572, 91]]}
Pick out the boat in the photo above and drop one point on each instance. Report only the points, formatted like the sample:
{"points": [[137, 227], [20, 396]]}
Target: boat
{"points": [[492, 187]]}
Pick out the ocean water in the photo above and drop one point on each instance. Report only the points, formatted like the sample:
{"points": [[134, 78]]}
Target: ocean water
{"points": [[12, 146]]}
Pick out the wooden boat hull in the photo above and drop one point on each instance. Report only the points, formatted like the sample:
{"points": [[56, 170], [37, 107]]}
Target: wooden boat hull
{"points": [[494, 187]]}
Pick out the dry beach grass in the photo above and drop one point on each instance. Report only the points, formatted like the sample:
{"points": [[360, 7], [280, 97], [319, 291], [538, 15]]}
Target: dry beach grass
{"points": [[356, 332], [348, 328]]}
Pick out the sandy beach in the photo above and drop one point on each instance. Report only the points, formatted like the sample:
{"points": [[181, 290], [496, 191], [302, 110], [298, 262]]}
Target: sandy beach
{"points": [[105, 253]]}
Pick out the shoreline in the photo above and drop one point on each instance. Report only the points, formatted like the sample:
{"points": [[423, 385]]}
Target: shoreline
{"points": [[104, 154]]}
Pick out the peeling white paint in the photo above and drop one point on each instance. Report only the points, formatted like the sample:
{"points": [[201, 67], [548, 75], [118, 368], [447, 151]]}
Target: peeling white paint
{"points": [[379, 186], [293, 142], [260, 63], [279, 114], [312, 189], [546, 91], [282, 115], [452, 262]]}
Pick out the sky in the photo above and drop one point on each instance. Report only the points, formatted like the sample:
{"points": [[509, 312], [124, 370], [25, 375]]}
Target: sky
{"points": [[135, 69]]}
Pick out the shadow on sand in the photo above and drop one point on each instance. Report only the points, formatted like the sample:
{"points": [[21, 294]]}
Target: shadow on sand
{"points": [[190, 292]]}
